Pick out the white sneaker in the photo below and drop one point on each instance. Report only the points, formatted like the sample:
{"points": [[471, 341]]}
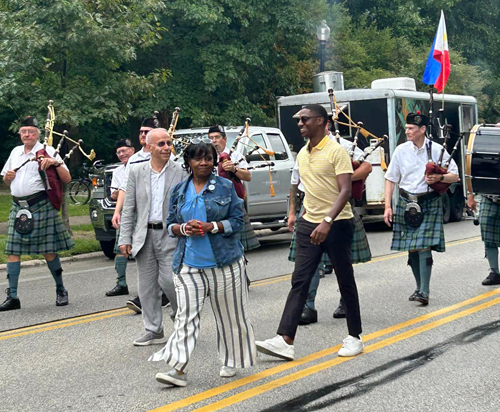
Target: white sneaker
{"points": [[227, 372], [351, 347], [276, 347]]}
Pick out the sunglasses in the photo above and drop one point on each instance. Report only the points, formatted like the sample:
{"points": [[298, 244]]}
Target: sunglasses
{"points": [[304, 119], [163, 143]]}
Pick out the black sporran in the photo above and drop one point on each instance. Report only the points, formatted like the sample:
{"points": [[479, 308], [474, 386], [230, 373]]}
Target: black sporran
{"points": [[24, 222], [413, 215]]}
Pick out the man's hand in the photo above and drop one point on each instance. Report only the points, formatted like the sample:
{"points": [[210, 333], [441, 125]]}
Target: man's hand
{"points": [[320, 233], [47, 162], [292, 218], [9, 176], [471, 202], [126, 250], [229, 166], [388, 216], [116, 220], [433, 178]]}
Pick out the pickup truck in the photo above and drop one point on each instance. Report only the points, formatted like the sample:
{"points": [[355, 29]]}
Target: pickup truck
{"points": [[265, 211]]}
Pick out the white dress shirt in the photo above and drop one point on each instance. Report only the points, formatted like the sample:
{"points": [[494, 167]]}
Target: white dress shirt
{"points": [[27, 181], [237, 158], [295, 179], [157, 194], [119, 178], [407, 166], [134, 160]]}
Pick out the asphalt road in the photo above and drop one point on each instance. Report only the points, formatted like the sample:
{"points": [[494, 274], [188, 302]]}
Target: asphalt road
{"points": [[442, 357]]}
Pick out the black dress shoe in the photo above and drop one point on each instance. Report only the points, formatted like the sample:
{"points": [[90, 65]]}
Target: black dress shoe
{"points": [[423, 298], [10, 304], [492, 279], [308, 316], [135, 305], [413, 296], [62, 297], [340, 311], [118, 290], [164, 300]]}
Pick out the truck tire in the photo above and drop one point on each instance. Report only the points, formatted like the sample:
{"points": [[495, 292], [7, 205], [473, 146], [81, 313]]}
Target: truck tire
{"points": [[446, 208], [457, 203], [108, 248]]}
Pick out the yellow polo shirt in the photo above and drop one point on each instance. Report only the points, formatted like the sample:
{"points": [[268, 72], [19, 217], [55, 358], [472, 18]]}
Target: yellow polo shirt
{"points": [[318, 170]]}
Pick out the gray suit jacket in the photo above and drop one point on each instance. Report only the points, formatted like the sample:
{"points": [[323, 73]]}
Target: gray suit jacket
{"points": [[137, 204]]}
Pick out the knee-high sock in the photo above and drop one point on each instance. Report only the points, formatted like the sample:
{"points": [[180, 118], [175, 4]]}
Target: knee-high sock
{"points": [[121, 270], [425, 258], [313, 288], [56, 270], [413, 262], [492, 255], [13, 271]]}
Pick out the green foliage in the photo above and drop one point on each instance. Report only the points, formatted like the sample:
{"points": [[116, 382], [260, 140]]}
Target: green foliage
{"points": [[75, 52]]}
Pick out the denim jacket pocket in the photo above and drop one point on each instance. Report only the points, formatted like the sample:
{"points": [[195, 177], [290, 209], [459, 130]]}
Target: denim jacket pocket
{"points": [[221, 207]]}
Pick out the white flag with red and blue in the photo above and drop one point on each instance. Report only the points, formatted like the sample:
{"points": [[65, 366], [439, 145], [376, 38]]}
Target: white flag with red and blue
{"points": [[437, 69]]}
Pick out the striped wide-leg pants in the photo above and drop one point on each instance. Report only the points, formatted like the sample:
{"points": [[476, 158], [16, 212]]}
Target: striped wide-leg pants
{"points": [[226, 288]]}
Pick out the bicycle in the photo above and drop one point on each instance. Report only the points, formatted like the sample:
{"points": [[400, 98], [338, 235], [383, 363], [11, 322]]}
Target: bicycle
{"points": [[79, 190]]}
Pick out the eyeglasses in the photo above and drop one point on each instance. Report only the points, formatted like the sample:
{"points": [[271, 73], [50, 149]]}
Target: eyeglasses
{"points": [[304, 119], [122, 152], [163, 143], [198, 140], [30, 132]]}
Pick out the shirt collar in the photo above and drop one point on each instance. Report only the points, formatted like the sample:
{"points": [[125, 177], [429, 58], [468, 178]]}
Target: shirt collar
{"points": [[321, 144], [33, 151], [415, 149], [162, 170]]}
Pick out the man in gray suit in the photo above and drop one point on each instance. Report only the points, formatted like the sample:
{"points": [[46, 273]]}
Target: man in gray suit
{"points": [[143, 233]]}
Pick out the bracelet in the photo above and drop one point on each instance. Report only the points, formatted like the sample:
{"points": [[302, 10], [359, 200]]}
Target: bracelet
{"points": [[182, 229], [442, 178]]}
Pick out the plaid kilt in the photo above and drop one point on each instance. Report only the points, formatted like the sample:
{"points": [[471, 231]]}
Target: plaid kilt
{"points": [[48, 236], [360, 248], [489, 218], [429, 234], [248, 238]]}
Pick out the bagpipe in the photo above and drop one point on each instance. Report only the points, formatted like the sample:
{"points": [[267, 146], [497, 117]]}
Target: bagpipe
{"points": [[439, 167], [245, 139], [358, 186], [50, 177]]}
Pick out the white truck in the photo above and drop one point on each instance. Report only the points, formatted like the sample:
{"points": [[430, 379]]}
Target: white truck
{"points": [[383, 110]]}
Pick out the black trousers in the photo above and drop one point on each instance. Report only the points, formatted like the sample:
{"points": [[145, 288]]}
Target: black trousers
{"points": [[338, 247]]}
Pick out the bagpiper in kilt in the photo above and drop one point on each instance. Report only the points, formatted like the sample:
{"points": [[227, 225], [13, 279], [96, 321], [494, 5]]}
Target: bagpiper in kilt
{"points": [[34, 225], [418, 219], [124, 151], [489, 219]]}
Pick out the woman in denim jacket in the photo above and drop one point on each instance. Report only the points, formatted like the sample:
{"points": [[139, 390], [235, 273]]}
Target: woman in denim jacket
{"points": [[206, 215]]}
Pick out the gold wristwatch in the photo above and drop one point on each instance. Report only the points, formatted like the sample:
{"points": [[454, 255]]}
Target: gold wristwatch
{"points": [[328, 220]]}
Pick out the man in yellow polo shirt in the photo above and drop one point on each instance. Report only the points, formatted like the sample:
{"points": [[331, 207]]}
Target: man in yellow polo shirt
{"points": [[327, 226]]}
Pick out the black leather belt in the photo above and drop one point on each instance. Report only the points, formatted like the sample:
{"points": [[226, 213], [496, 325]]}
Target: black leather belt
{"points": [[155, 226], [419, 198], [28, 201]]}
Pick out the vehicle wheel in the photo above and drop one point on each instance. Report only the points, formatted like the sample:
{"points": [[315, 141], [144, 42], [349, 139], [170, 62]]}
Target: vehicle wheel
{"points": [[79, 192], [108, 248], [446, 208], [457, 202]]}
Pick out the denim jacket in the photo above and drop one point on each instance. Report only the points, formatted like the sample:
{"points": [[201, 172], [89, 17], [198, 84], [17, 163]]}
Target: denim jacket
{"points": [[222, 205]]}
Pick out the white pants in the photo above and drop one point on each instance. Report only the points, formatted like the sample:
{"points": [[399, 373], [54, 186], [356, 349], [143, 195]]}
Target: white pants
{"points": [[154, 267], [228, 295]]}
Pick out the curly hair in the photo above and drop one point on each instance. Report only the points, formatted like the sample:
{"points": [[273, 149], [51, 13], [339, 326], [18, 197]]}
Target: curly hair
{"points": [[198, 150]]}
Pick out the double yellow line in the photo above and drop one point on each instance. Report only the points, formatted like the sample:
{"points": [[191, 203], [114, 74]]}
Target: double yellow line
{"points": [[276, 383]]}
